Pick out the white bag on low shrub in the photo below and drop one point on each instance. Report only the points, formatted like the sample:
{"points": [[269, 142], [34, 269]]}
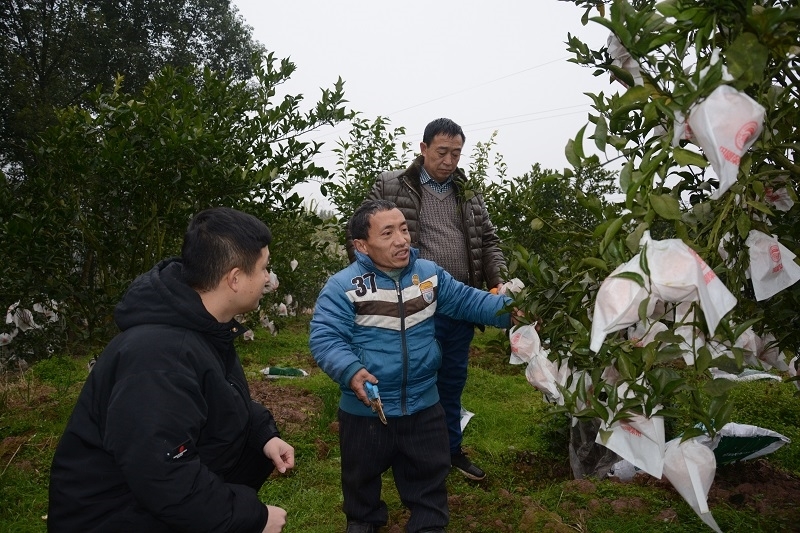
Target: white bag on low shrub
{"points": [[643, 333], [778, 198], [690, 467], [772, 266], [622, 59], [725, 125], [639, 440], [525, 343], [617, 304], [545, 375], [512, 287], [678, 274]]}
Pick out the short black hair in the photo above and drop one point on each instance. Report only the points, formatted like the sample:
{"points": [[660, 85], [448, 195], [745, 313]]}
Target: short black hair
{"points": [[443, 126], [359, 223], [218, 240]]}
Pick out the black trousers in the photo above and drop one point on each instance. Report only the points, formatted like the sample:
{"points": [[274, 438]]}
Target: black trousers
{"points": [[252, 469], [415, 447]]}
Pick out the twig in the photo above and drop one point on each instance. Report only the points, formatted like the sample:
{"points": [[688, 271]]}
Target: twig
{"points": [[12, 458]]}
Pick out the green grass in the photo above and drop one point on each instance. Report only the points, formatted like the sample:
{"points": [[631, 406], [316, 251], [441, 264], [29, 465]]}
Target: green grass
{"points": [[512, 436]]}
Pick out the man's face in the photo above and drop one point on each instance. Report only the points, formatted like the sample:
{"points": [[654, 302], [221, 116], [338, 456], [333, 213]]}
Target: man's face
{"points": [[255, 284], [388, 243], [441, 156]]}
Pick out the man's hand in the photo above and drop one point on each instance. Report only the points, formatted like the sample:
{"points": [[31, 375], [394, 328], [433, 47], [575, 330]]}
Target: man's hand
{"points": [[282, 455], [275, 520], [357, 385]]}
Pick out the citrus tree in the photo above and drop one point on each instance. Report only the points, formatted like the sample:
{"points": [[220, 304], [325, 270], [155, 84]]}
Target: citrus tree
{"points": [[115, 183], [683, 185]]}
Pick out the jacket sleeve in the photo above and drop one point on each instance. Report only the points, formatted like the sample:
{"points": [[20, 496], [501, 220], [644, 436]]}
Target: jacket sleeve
{"points": [[262, 425], [153, 422], [331, 334], [462, 302], [494, 263]]}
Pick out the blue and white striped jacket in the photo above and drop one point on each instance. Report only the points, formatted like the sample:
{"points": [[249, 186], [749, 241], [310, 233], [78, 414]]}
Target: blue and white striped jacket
{"points": [[364, 319]]}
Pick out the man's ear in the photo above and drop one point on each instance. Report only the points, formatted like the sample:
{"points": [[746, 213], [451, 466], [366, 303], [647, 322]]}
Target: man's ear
{"points": [[360, 245], [232, 278]]}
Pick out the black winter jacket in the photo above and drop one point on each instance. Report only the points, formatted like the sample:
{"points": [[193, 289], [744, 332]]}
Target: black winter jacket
{"points": [[164, 426], [486, 262]]}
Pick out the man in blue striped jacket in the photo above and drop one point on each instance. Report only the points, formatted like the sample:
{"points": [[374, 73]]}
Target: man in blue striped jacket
{"points": [[373, 322]]}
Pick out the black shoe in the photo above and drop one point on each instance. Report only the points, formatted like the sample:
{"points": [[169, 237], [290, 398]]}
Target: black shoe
{"points": [[361, 527], [462, 462]]}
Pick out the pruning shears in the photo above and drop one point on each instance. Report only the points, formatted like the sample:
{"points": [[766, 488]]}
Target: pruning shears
{"points": [[374, 397]]}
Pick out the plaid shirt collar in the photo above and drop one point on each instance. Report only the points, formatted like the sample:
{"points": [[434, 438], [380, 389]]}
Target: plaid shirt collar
{"points": [[426, 179]]}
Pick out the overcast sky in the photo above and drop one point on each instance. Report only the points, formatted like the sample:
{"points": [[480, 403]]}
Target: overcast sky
{"points": [[498, 65]]}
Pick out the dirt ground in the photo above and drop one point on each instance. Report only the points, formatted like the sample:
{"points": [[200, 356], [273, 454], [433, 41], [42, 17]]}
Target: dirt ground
{"points": [[752, 485]]}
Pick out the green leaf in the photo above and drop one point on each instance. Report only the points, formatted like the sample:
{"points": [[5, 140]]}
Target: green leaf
{"points": [[571, 155], [666, 206], [601, 133], [718, 387], [632, 241], [761, 207], [633, 276], [611, 231], [746, 59], [685, 157], [594, 262], [703, 359], [743, 224], [643, 305], [634, 95]]}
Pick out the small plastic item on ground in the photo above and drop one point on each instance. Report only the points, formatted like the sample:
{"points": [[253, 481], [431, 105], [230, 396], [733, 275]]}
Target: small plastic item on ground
{"points": [[465, 418], [690, 467], [793, 364], [639, 440], [772, 267], [748, 374], [623, 470], [725, 124], [274, 372], [742, 442]]}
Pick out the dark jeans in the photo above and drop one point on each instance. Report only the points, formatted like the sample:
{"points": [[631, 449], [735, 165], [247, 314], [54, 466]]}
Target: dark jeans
{"points": [[415, 448], [454, 337]]}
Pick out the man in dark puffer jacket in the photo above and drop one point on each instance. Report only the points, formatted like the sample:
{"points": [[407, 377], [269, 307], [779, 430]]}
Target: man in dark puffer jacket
{"points": [[451, 228], [164, 436]]}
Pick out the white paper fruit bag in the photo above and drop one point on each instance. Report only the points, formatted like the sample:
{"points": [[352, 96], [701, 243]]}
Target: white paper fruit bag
{"points": [[639, 440], [725, 125], [690, 467], [622, 59], [525, 343], [772, 266], [678, 274], [617, 303]]}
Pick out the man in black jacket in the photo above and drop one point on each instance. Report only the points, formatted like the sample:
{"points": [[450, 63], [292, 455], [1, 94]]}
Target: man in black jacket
{"points": [[164, 436]]}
